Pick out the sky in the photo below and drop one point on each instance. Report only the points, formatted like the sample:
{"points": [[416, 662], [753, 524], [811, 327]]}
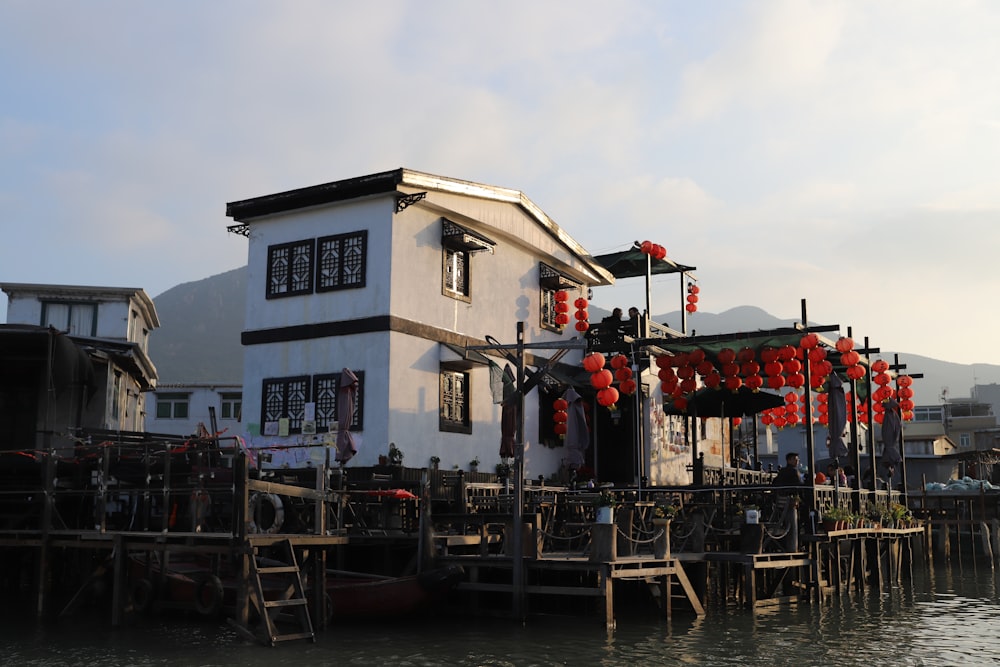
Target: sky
{"points": [[844, 153]]}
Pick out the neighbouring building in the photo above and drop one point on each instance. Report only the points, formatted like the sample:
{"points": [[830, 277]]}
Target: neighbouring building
{"points": [[179, 409], [73, 357]]}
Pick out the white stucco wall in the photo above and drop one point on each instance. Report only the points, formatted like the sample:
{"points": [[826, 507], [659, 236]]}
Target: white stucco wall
{"points": [[403, 278]]}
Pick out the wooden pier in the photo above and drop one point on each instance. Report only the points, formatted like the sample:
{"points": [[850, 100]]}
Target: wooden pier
{"points": [[122, 500]]}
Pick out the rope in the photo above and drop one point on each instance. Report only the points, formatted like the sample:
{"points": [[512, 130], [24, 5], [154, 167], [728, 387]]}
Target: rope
{"points": [[657, 534], [583, 533]]}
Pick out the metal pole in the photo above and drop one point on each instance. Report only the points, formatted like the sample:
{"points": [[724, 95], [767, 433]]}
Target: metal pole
{"points": [[810, 438], [902, 440], [517, 583]]}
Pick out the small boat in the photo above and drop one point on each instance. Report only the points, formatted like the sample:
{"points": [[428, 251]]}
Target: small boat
{"points": [[191, 584], [363, 597]]}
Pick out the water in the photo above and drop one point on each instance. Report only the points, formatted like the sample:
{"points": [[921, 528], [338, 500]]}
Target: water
{"points": [[949, 617]]}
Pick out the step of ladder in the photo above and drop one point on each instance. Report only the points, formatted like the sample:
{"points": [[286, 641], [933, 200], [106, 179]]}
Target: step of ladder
{"points": [[296, 600]]}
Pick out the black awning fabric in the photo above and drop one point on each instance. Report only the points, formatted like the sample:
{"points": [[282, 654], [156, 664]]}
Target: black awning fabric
{"points": [[632, 264]]}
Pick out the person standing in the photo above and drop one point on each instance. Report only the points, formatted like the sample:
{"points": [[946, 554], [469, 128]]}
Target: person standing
{"points": [[789, 475]]}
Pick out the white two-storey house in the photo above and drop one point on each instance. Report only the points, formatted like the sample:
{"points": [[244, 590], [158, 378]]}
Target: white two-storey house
{"points": [[393, 276]]}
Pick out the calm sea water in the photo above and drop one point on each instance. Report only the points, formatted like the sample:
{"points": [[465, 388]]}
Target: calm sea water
{"points": [[948, 617]]}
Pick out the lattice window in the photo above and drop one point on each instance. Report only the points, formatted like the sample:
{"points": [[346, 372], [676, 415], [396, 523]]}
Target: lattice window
{"points": [[548, 311], [325, 394], [285, 397], [455, 273], [290, 269], [341, 261], [454, 400]]}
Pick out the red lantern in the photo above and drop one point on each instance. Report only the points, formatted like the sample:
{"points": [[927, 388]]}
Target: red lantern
{"points": [[748, 368], [768, 355], [726, 355], [855, 372], [560, 404], [844, 345], [646, 247], [661, 252], [559, 429], [560, 417], [602, 379], [733, 383], [581, 315], [561, 307], [607, 397], [817, 354], [618, 361], [773, 368], [776, 381], [692, 298], [593, 362], [691, 308], [904, 380], [581, 303], [754, 382], [681, 404], [624, 373], [713, 380], [792, 366], [582, 326], [696, 356], [628, 387], [666, 374], [561, 296], [880, 366], [731, 369], [809, 341], [850, 358], [689, 385], [663, 361], [562, 319], [796, 380]]}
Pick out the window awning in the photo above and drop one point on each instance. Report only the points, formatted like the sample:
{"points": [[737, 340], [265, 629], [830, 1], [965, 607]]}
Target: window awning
{"points": [[550, 278], [456, 356], [456, 237]]}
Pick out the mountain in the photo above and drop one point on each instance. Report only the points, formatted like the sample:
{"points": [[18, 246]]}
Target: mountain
{"points": [[199, 338]]}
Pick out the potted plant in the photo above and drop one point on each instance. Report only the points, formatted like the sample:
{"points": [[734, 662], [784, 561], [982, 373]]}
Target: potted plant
{"points": [[435, 462], [835, 518], [395, 455], [605, 503], [503, 470], [474, 465]]}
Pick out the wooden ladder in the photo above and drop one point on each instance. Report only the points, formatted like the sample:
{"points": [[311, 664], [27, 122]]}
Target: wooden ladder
{"points": [[292, 598]]}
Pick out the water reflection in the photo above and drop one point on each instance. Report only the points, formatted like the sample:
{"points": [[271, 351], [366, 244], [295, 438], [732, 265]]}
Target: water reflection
{"points": [[949, 617]]}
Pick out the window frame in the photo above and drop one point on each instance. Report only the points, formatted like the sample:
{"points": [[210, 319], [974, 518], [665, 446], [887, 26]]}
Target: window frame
{"points": [[447, 424], [342, 241], [70, 307], [294, 419], [325, 414], [462, 292], [234, 401], [309, 246], [174, 400]]}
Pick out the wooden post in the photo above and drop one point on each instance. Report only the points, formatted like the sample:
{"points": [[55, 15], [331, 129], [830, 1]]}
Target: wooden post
{"points": [[606, 582]]}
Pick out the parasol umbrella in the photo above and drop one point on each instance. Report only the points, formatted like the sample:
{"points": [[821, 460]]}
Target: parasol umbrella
{"points": [[346, 394], [836, 417], [577, 433], [395, 494], [508, 427], [632, 263], [744, 402], [891, 430]]}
